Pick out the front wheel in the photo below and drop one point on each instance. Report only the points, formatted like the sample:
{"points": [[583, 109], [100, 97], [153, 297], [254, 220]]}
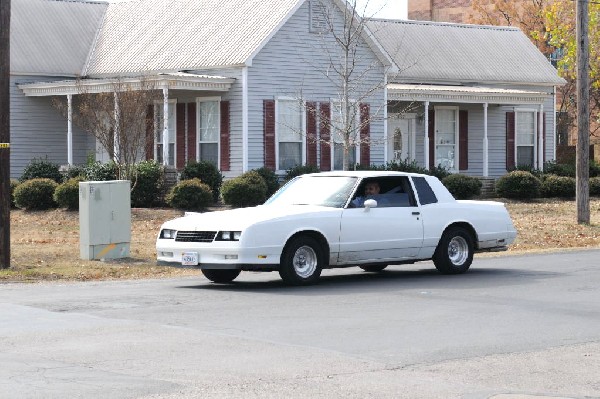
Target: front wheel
{"points": [[221, 276], [454, 253], [302, 261]]}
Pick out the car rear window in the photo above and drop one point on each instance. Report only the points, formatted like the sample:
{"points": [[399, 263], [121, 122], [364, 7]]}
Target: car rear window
{"points": [[424, 191]]}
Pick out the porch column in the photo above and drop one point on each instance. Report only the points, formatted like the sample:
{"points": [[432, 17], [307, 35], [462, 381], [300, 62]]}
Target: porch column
{"points": [[116, 152], [70, 129], [485, 141], [426, 135], [165, 133], [541, 138], [385, 119]]}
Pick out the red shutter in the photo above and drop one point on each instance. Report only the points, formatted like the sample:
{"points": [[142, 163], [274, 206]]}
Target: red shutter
{"points": [[544, 138], [365, 134], [191, 136], [269, 133], [510, 141], [225, 133], [180, 132], [431, 133], [463, 140], [325, 135], [150, 132], [311, 133]]}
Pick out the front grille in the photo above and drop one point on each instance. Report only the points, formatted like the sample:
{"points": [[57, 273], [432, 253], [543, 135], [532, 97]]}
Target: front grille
{"points": [[195, 236]]}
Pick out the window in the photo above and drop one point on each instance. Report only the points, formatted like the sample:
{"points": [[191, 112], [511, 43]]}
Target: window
{"points": [[446, 137], [290, 134], [159, 126], [424, 191], [526, 123], [208, 130], [338, 131], [318, 17]]}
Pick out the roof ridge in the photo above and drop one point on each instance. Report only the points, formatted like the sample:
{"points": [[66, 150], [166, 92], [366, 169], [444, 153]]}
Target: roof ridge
{"points": [[82, 1], [448, 24]]}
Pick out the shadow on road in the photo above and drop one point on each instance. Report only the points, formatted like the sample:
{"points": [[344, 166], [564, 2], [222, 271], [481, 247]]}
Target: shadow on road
{"points": [[350, 280]]}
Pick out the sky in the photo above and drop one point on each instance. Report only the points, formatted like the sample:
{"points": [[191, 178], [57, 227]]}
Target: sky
{"points": [[395, 9]]}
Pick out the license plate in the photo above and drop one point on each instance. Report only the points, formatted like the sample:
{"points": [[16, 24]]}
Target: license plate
{"points": [[189, 259]]}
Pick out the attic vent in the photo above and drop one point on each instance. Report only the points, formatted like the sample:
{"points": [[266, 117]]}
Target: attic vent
{"points": [[318, 17]]}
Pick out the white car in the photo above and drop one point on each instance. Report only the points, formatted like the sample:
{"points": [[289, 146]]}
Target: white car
{"points": [[325, 220]]}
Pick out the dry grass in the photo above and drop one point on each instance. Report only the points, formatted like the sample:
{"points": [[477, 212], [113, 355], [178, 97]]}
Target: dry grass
{"points": [[45, 245]]}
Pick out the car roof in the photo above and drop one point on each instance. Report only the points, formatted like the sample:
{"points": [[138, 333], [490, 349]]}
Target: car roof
{"points": [[365, 173]]}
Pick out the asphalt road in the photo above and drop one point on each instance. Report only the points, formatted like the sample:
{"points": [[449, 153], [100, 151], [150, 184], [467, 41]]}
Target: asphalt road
{"points": [[512, 327]]}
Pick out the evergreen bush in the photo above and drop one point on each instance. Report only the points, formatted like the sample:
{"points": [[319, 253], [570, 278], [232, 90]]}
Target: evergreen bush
{"points": [[147, 184], [463, 186], [518, 184], [35, 194], [66, 194], [13, 184], [246, 190], [39, 168], [558, 186], [207, 172], [97, 171], [300, 170], [270, 179], [190, 194], [595, 186]]}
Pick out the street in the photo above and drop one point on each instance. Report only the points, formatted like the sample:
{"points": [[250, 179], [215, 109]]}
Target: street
{"points": [[522, 326]]}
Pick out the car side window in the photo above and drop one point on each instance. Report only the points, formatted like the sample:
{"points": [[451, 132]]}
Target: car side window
{"points": [[393, 192], [424, 191]]}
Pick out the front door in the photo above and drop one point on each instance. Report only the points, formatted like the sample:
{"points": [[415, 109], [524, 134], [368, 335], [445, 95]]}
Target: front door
{"points": [[401, 133]]}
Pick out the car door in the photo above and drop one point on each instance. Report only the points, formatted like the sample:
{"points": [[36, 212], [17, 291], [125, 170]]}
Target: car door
{"points": [[391, 231]]}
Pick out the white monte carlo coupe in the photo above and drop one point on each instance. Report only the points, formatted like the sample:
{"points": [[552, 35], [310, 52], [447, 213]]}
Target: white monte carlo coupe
{"points": [[328, 220]]}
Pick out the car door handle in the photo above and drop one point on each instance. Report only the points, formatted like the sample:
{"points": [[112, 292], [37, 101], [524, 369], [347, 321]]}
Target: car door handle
{"points": [[416, 213]]}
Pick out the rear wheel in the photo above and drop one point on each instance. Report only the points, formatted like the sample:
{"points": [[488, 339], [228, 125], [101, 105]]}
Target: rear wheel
{"points": [[221, 275], [302, 261], [454, 253], [373, 269]]}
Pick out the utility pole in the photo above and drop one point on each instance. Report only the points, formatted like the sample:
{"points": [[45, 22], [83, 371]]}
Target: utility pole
{"points": [[4, 134], [583, 113]]}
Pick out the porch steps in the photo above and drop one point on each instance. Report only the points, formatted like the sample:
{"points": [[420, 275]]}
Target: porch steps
{"points": [[488, 187]]}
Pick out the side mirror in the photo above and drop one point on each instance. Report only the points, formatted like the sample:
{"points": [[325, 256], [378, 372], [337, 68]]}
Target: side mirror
{"points": [[370, 203]]}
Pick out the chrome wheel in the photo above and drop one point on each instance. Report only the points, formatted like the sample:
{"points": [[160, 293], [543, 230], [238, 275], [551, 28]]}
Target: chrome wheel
{"points": [[305, 261], [458, 250]]}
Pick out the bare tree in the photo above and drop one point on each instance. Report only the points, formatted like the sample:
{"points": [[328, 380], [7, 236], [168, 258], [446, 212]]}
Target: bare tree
{"points": [[117, 119]]}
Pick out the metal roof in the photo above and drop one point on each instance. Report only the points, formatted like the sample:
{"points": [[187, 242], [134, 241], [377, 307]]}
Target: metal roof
{"points": [[442, 52], [52, 37], [170, 35]]}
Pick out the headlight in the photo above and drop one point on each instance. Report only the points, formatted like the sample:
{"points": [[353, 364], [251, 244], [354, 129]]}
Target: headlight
{"points": [[168, 234], [228, 236]]}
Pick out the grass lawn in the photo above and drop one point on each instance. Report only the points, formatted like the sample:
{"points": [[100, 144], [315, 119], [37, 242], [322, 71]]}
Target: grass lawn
{"points": [[45, 245]]}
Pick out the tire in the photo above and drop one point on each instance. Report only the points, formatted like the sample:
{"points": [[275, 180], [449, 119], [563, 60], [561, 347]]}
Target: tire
{"points": [[302, 261], [221, 276], [454, 253], [373, 269]]}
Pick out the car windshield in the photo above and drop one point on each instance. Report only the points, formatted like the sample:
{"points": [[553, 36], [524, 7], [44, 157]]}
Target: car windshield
{"points": [[331, 191]]}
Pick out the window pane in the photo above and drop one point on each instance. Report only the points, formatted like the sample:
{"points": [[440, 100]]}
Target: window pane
{"points": [[159, 153], [338, 156], [525, 155], [209, 152], [289, 121], [171, 154], [426, 194], [445, 156], [209, 120], [290, 155]]}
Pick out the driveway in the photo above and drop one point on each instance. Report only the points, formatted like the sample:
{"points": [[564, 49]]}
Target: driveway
{"points": [[512, 327]]}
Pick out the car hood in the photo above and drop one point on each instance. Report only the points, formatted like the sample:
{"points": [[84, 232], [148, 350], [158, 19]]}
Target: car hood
{"points": [[240, 219]]}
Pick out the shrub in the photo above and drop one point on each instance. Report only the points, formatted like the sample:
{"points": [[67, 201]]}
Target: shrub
{"points": [[147, 184], [559, 169], [190, 194], [595, 186], [405, 166], [13, 184], [558, 186], [300, 170], [41, 169], [207, 172], [35, 194], [594, 168], [248, 189], [66, 195], [270, 179], [97, 171], [438, 171], [75, 171], [462, 186], [518, 184]]}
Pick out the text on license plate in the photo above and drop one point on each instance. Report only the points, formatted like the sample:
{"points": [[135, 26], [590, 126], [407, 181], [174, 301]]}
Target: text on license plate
{"points": [[189, 259]]}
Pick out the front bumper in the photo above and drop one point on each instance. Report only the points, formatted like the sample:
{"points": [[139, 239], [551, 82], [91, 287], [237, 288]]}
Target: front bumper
{"points": [[217, 254]]}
